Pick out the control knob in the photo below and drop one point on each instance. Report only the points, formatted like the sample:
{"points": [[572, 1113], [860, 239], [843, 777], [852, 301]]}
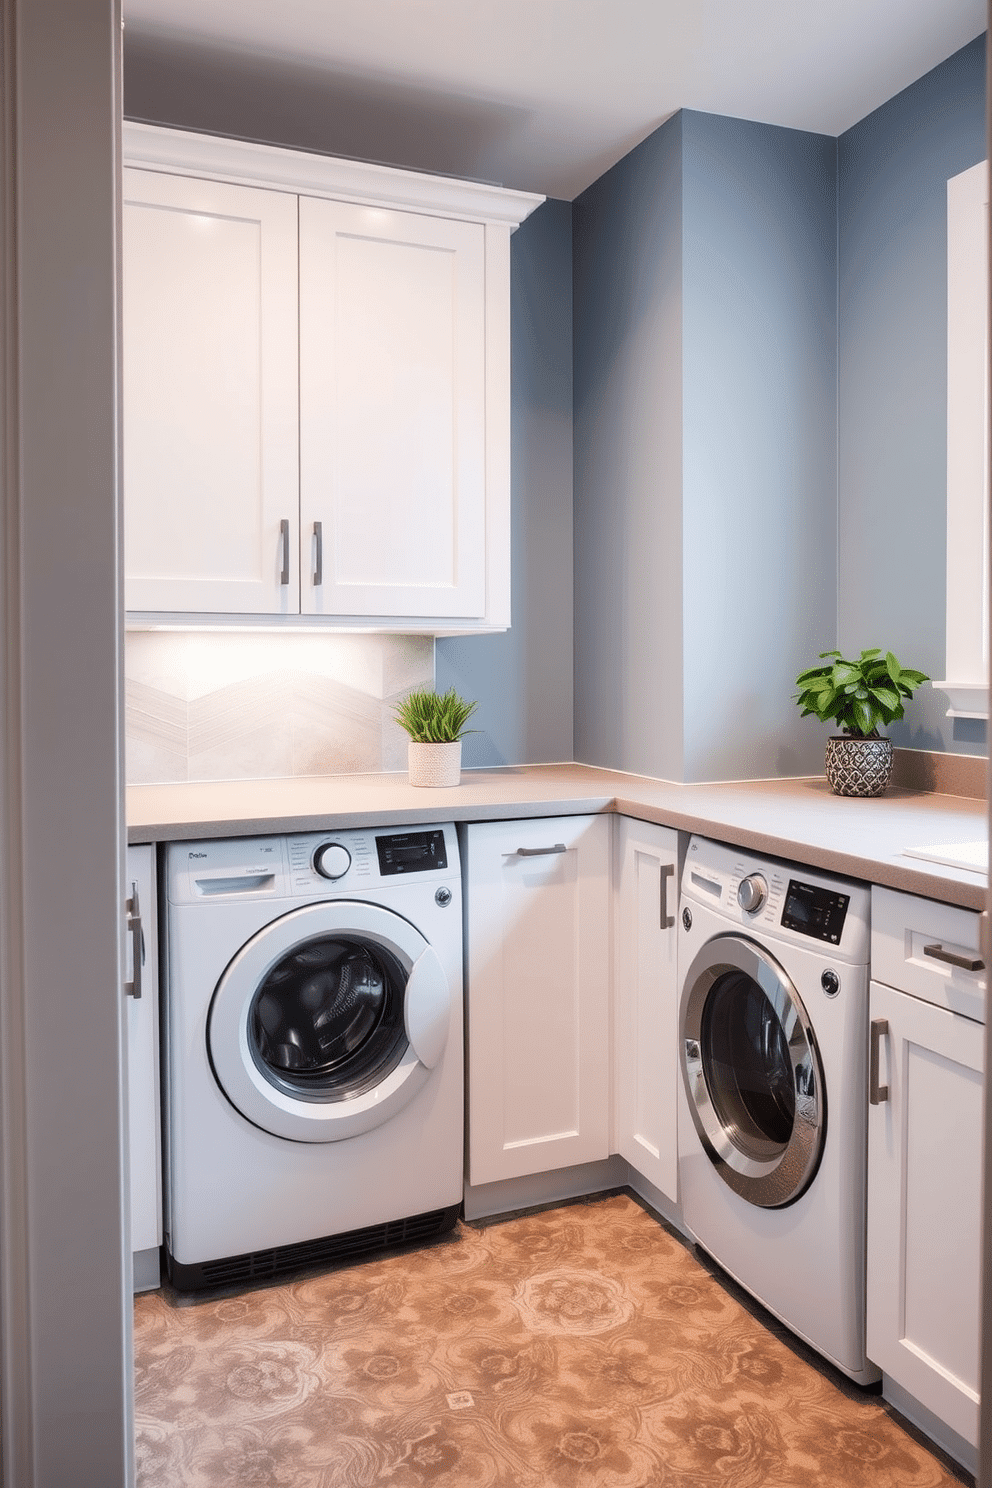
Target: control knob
{"points": [[332, 860], [752, 893]]}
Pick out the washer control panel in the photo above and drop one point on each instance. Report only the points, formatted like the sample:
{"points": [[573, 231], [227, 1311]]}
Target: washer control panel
{"points": [[411, 852], [815, 911], [345, 861], [787, 902]]}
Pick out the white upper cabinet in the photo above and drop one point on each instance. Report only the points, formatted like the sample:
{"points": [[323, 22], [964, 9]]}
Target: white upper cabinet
{"points": [[316, 386], [210, 396], [392, 412]]}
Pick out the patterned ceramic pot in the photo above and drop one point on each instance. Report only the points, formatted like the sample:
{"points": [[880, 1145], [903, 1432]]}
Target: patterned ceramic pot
{"points": [[434, 764], [858, 767]]}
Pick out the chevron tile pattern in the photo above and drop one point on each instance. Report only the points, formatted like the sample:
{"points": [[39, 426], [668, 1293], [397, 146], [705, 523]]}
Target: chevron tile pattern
{"points": [[235, 706]]}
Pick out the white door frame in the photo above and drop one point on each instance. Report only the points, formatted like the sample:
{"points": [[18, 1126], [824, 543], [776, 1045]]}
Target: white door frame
{"points": [[65, 1304]]}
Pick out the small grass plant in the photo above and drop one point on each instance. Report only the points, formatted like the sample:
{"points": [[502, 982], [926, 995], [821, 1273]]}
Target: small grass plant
{"points": [[860, 696], [431, 717]]}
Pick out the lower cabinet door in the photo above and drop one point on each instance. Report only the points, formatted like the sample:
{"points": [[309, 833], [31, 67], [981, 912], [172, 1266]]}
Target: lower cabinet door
{"points": [[538, 979], [646, 1062], [144, 1124], [924, 1204]]}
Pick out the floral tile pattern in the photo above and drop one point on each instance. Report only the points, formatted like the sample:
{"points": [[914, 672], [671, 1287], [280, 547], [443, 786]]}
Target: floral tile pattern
{"points": [[580, 1347]]}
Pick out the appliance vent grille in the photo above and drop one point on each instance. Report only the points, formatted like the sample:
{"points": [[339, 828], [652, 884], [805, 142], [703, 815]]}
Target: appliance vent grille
{"points": [[262, 1265]]}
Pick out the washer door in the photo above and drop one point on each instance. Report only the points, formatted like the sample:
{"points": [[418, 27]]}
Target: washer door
{"points": [[752, 1072], [328, 1021]]}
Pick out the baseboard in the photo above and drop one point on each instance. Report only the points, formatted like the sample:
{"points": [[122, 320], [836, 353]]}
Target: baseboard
{"points": [[662, 1205], [147, 1269], [534, 1189], [919, 1416]]}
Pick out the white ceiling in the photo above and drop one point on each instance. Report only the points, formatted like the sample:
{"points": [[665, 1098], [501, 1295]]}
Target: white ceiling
{"points": [[553, 92]]}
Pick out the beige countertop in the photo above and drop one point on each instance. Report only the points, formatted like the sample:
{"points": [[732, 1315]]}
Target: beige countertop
{"points": [[800, 820]]}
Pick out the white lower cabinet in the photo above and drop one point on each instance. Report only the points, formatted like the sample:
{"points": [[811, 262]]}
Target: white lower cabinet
{"points": [[645, 1070], [925, 1165], [538, 995], [144, 1126]]}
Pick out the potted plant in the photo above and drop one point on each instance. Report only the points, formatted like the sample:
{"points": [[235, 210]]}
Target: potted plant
{"points": [[436, 723], [859, 696]]}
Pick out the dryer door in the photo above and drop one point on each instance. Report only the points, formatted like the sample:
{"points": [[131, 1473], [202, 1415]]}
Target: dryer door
{"points": [[328, 1021], [752, 1072]]}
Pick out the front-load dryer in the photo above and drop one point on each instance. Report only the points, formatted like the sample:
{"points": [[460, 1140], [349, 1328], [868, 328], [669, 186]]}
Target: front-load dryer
{"points": [[772, 1123], [313, 1048]]}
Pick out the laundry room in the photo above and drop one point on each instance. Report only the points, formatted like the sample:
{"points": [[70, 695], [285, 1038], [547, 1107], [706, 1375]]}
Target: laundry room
{"points": [[613, 1115]]}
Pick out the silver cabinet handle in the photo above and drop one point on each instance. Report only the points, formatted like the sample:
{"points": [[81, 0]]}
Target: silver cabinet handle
{"points": [[876, 1093], [667, 872], [133, 988], [318, 557], [539, 852], [966, 963], [284, 534]]}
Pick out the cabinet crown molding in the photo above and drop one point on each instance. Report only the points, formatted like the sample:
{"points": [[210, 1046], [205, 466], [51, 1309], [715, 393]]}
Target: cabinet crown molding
{"points": [[243, 162]]}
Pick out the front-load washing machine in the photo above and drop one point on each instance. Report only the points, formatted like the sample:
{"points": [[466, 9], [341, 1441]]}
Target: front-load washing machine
{"points": [[313, 1048], [772, 1123]]}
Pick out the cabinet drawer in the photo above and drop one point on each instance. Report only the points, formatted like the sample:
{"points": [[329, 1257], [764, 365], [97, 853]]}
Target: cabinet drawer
{"points": [[917, 945]]}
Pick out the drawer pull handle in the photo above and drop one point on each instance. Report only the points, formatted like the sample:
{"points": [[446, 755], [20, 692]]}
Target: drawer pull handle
{"points": [[876, 1093], [540, 852], [667, 871], [966, 963]]}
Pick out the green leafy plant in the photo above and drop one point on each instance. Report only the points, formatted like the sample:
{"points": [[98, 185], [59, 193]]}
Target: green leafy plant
{"points": [[431, 717], [860, 695]]}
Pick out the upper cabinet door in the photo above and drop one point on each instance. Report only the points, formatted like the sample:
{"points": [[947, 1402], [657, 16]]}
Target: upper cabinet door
{"points": [[392, 412], [211, 475]]}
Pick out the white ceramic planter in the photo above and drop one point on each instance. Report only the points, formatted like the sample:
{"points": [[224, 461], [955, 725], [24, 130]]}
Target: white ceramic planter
{"points": [[434, 764]]}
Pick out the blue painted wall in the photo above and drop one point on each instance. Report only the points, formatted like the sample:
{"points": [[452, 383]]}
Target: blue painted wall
{"points": [[893, 168], [522, 678], [627, 298], [705, 442], [760, 427], [759, 440]]}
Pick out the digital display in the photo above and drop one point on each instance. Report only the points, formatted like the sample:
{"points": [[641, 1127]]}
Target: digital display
{"points": [[411, 852], [815, 911]]}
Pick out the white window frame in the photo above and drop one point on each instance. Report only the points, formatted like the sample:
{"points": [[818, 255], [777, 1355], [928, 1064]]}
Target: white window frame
{"points": [[967, 444]]}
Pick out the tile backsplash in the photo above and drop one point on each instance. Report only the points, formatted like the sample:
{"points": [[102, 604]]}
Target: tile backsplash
{"points": [[242, 705]]}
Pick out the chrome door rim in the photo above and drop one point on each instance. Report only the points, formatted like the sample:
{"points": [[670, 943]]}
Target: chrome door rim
{"points": [[783, 1177], [282, 1112]]}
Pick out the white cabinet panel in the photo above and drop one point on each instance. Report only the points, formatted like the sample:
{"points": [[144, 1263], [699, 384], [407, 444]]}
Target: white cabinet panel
{"points": [[144, 1122], [538, 995], [210, 396], [924, 1205], [646, 1051], [392, 411]]}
